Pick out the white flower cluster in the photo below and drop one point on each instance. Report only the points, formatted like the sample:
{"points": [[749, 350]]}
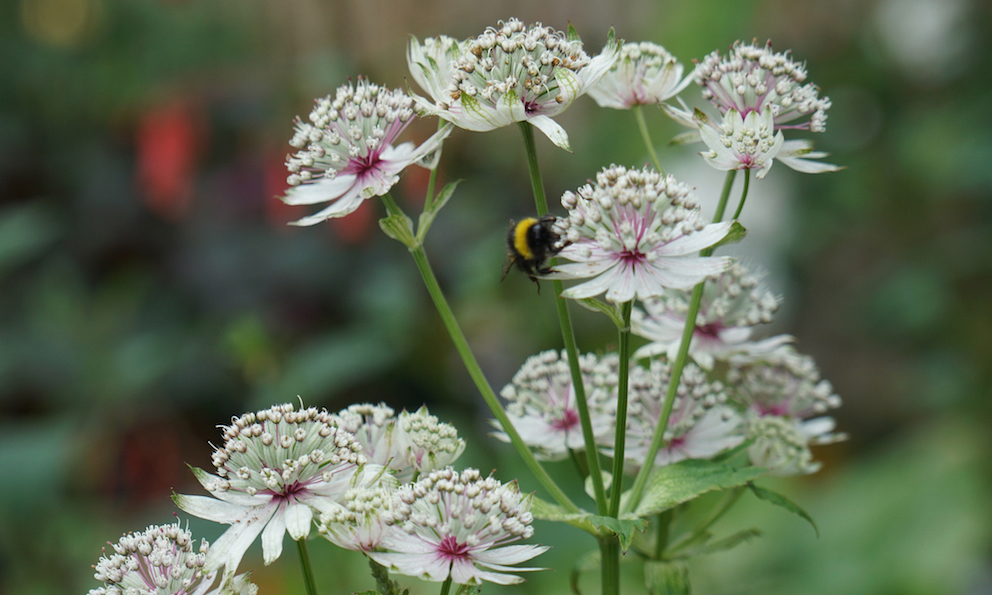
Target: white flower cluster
{"points": [[635, 233], [732, 305], [161, 560], [543, 407], [644, 74]]}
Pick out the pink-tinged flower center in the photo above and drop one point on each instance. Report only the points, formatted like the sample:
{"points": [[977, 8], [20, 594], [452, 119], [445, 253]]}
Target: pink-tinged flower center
{"points": [[632, 257], [779, 409], [710, 331], [569, 419], [290, 491], [362, 165], [451, 550]]}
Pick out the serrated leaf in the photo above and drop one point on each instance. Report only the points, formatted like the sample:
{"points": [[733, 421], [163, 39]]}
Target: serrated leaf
{"points": [[427, 217], [624, 529], [572, 34], [400, 228], [783, 502], [735, 234], [671, 485], [589, 561], [667, 578], [598, 306], [719, 545]]}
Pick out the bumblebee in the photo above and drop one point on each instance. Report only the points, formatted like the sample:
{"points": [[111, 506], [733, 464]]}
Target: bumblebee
{"points": [[530, 243]]}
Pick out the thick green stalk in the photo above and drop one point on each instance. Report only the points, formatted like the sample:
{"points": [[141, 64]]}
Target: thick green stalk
{"points": [[567, 333], [680, 360], [740, 205], [432, 179], [661, 537], [643, 125], [616, 488], [446, 587], [305, 563], [609, 554]]}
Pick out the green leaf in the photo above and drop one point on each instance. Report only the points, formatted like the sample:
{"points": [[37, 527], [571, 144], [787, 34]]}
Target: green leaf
{"points": [[589, 561], [780, 500], [717, 546], [598, 306], [427, 217], [624, 529], [400, 228], [671, 485], [734, 235], [667, 578], [572, 34]]}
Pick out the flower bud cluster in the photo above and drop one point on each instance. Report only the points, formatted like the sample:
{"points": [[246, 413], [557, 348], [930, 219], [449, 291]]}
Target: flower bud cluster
{"points": [[785, 383], [347, 131], [644, 74], [363, 521], [432, 63], [753, 77], [161, 560], [278, 449]]}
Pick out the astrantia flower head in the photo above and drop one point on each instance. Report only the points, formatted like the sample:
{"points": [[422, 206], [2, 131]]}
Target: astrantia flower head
{"points": [[732, 305], [275, 468], [408, 444], [458, 525], [346, 150], [542, 404], [162, 560], [362, 521], [644, 74], [635, 233], [513, 73], [741, 142], [781, 393], [752, 78], [699, 427], [431, 63]]}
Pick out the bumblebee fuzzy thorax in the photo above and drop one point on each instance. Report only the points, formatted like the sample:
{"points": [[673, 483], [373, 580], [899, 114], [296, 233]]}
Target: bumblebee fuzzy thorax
{"points": [[530, 242]]}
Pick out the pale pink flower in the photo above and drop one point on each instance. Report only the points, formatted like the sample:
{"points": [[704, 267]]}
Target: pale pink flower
{"points": [[542, 405], [732, 305], [512, 73], [635, 233], [162, 560], [457, 525], [362, 521], [645, 74], [275, 469], [347, 153], [741, 142]]}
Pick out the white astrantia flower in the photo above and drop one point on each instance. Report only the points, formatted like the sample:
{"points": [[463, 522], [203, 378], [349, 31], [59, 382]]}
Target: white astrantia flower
{"points": [[700, 425], [732, 305], [782, 392], [275, 469], [347, 152], [457, 525], [754, 77], [635, 233], [542, 405], [432, 62], [514, 73], [407, 444], [362, 521], [162, 560], [741, 142], [645, 74]]}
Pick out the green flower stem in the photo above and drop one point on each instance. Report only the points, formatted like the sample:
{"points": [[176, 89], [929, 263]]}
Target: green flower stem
{"points": [[609, 553], [305, 563], [567, 334], [729, 499], [661, 538], [680, 360], [747, 181], [432, 180], [643, 125], [616, 488], [446, 586]]}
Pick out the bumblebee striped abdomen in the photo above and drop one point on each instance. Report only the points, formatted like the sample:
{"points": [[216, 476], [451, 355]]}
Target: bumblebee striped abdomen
{"points": [[530, 242]]}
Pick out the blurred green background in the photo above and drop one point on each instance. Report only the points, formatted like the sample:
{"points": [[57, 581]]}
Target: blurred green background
{"points": [[150, 288]]}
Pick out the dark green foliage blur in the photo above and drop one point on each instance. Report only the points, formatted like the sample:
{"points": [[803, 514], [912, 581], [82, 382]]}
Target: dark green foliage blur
{"points": [[150, 288]]}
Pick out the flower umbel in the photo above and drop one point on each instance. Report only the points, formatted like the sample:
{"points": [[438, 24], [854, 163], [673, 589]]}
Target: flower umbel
{"points": [[275, 468], [741, 142], [457, 525], [362, 522], [732, 305], [635, 233], [161, 560], [346, 150], [513, 73], [542, 404], [644, 74], [700, 426]]}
